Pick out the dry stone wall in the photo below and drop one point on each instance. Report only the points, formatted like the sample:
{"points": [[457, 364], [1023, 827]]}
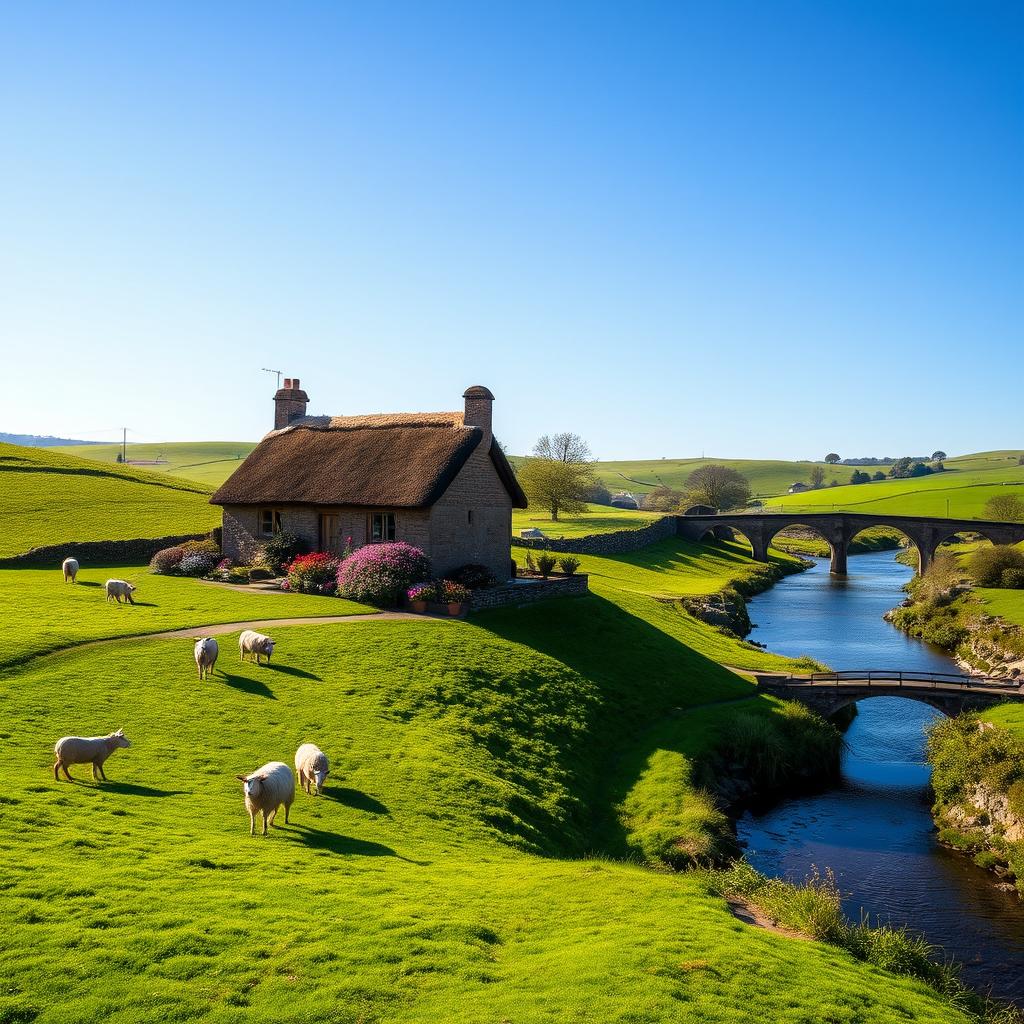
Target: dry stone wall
{"points": [[617, 543], [99, 552]]}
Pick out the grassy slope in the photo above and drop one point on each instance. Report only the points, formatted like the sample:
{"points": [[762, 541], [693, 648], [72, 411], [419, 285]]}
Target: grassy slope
{"points": [[208, 462], [47, 497], [423, 887], [597, 519], [1007, 604]]}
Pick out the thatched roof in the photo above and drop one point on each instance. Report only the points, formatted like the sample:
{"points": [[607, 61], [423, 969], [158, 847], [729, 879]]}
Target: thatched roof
{"points": [[391, 460]]}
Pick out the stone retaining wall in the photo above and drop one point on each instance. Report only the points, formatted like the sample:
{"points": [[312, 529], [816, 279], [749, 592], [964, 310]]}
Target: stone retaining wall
{"points": [[523, 591], [98, 552], [617, 543]]}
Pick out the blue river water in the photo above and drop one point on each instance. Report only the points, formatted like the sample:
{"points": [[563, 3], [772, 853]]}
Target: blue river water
{"points": [[873, 829]]}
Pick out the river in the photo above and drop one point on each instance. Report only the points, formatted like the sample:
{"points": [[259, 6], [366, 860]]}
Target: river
{"points": [[873, 829]]}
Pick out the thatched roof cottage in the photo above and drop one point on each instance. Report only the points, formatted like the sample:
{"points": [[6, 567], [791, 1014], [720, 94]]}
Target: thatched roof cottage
{"points": [[437, 480]]}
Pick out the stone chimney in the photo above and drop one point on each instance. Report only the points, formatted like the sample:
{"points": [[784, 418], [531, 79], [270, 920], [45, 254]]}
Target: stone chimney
{"points": [[289, 403], [478, 410]]}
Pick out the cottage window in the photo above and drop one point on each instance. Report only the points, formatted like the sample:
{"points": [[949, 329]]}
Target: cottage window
{"points": [[270, 522], [469, 516], [382, 527]]}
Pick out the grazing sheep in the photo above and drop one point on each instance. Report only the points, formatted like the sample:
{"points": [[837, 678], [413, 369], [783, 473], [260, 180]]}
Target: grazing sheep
{"points": [[252, 643], [265, 790], [206, 656], [70, 569], [85, 749], [116, 589], [312, 765]]}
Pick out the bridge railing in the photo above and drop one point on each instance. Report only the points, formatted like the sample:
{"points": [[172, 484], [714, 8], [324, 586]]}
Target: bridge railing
{"points": [[905, 677]]}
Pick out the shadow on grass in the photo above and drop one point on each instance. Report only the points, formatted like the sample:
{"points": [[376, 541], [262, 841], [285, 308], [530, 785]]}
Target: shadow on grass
{"points": [[132, 789], [246, 685], [88, 583], [335, 842], [291, 670], [356, 799], [142, 604]]}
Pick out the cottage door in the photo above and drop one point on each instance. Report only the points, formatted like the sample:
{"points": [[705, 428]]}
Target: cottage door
{"points": [[330, 536]]}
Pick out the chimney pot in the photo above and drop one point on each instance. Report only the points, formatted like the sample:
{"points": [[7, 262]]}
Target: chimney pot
{"points": [[478, 409], [295, 383], [287, 383], [289, 403]]}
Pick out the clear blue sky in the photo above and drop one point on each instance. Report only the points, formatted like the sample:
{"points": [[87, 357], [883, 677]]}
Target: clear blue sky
{"points": [[755, 229]]}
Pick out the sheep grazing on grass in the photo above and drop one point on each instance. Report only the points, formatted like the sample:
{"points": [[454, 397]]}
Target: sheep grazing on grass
{"points": [[87, 750], [253, 643], [312, 765], [206, 656], [117, 589], [70, 569], [265, 790]]}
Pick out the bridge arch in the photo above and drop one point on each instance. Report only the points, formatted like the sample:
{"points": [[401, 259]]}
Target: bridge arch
{"points": [[837, 544], [909, 540]]}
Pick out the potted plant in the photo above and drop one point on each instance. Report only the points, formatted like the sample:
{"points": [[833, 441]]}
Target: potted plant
{"points": [[454, 595], [418, 596]]}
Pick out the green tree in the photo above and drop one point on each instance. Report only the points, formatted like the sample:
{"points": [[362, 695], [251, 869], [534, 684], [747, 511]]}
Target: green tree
{"points": [[1005, 508], [831, 458], [878, 475], [859, 477], [817, 477], [663, 499], [938, 456], [718, 486], [560, 475]]}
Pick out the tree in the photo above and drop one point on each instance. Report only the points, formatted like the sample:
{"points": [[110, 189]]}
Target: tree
{"points": [[878, 475], [560, 475], [831, 458], [718, 486], [817, 477], [1005, 508], [858, 476], [599, 494], [938, 456], [663, 499], [901, 468]]}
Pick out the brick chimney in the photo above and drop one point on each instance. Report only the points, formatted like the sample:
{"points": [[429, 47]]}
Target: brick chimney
{"points": [[289, 403], [478, 409]]}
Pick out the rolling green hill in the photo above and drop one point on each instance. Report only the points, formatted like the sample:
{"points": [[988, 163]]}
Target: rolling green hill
{"points": [[209, 462], [47, 497]]}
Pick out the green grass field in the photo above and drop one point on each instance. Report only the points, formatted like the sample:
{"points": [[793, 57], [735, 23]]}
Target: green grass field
{"points": [[474, 857], [597, 519], [208, 462], [47, 497]]}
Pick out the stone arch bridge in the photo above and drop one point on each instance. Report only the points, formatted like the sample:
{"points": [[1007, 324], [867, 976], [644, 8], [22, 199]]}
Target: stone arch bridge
{"points": [[839, 528], [829, 692]]}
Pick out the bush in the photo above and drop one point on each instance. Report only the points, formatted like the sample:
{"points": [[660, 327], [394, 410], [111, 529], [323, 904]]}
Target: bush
{"points": [[282, 549], [473, 576], [454, 593], [380, 573], [201, 547], [165, 562], [1013, 579], [259, 572], [987, 564], [546, 564], [314, 574], [423, 592], [569, 565], [198, 564]]}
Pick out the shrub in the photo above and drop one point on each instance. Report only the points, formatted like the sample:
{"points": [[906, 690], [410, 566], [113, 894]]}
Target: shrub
{"points": [[987, 564], [1013, 579], [1007, 508], [259, 572], [546, 564], [454, 593], [314, 574], [473, 576], [201, 547], [165, 562], [281, 549], [531, 565], [423, 592], [198, 564], [379, 573], [569, 565]]}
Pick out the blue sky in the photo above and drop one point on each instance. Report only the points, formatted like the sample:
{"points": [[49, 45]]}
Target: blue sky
{"points": [[753, 229]]}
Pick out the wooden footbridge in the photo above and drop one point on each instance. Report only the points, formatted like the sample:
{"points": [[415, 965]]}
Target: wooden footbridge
{"points": [[950, 693]]}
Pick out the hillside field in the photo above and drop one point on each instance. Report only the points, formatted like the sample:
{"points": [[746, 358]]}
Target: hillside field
{"points": [[479, 853], [207, 462], [47, 497]]}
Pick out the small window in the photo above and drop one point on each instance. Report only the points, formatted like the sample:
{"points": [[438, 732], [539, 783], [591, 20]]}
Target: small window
{"points": [[382, 527], [469, 516], [270, 522]]}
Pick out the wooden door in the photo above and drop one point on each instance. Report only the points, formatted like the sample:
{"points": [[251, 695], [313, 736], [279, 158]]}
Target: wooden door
{"points": [[330, 535]]}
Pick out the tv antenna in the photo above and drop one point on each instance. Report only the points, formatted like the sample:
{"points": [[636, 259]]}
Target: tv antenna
{"points": [[278, 372]]}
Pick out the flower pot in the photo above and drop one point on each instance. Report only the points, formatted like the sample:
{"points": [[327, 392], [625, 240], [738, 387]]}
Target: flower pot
{"points": [[454, 607], [419, 607]]}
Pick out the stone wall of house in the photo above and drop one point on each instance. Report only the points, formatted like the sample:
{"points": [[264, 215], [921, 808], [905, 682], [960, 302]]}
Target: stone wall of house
{"points": [[617, 543], [517, 593], [472, 521], [99, 552]]}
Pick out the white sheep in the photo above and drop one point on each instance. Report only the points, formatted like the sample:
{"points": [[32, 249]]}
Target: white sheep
{"points": [[87, 749], [312, 765], [116, 589], [251, 642], [70, 569], [265, 790], [206, 651]]}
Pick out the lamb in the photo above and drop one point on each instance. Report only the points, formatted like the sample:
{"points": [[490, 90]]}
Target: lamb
{"points": [[265, 790], [70, 569], [116, 589], [206, 652], [312, 765], [85, 749], [251, 642]]}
